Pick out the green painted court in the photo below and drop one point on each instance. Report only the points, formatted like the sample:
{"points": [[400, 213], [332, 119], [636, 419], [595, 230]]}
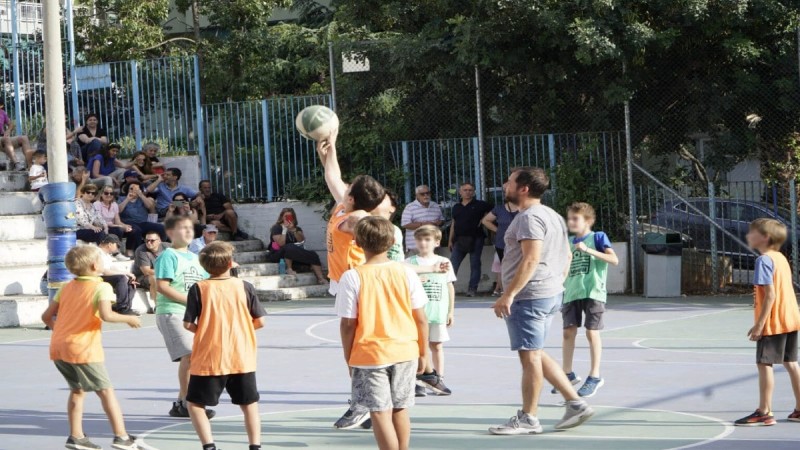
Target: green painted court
{"points": [[677, 372]]}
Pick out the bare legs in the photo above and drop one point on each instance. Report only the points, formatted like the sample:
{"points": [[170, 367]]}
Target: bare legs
{"points": [[392, 429], [568, 348], [536, 367], [437, 356], [110, 406], [595, 349], [794, 376], [183, 376]]}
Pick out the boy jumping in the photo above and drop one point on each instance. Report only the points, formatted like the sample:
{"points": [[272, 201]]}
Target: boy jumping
{"points": [[585, 292], [384, 333], [224, 314], [76, 345], [439, 310], [777, 319]]}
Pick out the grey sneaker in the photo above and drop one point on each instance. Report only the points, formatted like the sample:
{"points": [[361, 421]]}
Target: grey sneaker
{"points": [[124, 444], [522, 423], [574, 379], [351, 419], [19, 167], [471, 292], [433, 382], [83, 443], [420, 391], [578, 412]]}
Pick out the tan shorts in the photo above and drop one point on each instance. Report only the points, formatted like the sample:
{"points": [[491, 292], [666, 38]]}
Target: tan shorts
{"points": [[437, 332], [90, 377]]}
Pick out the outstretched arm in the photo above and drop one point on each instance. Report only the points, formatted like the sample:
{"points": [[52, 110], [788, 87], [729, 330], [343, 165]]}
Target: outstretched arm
{"points": [[333, 173]]}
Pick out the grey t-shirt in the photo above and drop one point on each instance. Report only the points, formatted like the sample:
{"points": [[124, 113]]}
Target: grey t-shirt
{"points": [[143, 257], [538, 223]]}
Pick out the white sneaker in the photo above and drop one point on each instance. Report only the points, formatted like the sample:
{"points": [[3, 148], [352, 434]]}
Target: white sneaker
{"points": [[522, 423], [578, 412], [122, 257]]}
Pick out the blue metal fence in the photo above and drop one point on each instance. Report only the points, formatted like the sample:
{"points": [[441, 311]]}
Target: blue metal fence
{"points": [[254, 152]]}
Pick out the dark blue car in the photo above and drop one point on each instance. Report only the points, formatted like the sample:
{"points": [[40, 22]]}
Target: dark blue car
{"points": [[733, 215]]}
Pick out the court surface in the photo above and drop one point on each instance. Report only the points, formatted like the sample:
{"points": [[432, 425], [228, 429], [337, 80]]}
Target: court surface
{"points": [[677, 373]]}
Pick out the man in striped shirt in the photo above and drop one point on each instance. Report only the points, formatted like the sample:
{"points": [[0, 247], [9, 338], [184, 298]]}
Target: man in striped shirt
{"points": [[421, 211]]}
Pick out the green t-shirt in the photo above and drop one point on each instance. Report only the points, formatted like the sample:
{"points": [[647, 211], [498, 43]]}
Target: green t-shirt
{"points": [[395, 252], [436, 288], [183, 270], [587, 274]]}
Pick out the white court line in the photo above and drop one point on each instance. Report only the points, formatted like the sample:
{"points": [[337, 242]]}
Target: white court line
{"points": [[727, 426], [638, 344], [310, 331], [610, 361], [654, 322]]}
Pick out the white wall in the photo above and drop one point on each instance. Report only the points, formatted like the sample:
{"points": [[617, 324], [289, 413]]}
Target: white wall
{"points": [[189, 166], [257, 218]]}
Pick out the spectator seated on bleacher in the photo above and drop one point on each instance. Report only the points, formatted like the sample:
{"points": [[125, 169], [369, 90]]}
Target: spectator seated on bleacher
{"points": [[219, 211], [209, 235], [181, 206], [144, 260], [92, 137], [166, 186], [141, 164], [287, 243], [123, 282], [73, 148], [108, 208], [80, 176], [91, 226], [151, 150], [106, 167], [139, 211]]}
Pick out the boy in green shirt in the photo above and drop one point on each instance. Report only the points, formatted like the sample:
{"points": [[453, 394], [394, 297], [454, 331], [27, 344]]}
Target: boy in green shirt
{"points": [[437, 279], [176, 270], [585, 292]]}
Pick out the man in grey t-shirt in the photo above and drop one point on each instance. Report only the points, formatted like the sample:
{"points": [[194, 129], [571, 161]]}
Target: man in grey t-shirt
{"points": [[536, 259]]}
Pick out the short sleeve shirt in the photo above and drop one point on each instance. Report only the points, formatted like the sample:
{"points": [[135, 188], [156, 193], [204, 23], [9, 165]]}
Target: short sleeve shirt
{"points": [[468, 217], [215, 203], [164, 194], [108, 213], [538, 223], [107, 166], [396, 250], [86, 132], [134, 212], [350, 285], [764, 271], [415, 212], [183, 270], [37, 171], [504, 218], [143, 257], [4, 120]]}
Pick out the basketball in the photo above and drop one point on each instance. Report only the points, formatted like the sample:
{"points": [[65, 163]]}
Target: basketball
{"points": [[316, 122]]}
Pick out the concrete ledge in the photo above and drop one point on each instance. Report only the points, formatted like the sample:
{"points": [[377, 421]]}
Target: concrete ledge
{"points": [[13, 203], [296, 293], [282, 281], [13, 181], [19, 311], [22, 227]]}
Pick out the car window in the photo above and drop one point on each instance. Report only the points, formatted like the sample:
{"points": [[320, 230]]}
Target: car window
{"points": [[680, 206], [702, 205], [743, 213]]}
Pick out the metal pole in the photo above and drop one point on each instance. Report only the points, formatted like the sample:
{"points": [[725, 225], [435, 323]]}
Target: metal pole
{"points": [[481, 162], [551, 153], [137, 113], [333, 75], [406, 172], [712, 213], [200, 136], [57, 196], [793, 235], [73, 76], [267, 149], [15, 57], [631, 197]]}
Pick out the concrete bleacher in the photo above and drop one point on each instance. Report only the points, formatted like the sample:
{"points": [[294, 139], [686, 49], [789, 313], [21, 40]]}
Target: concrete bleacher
{"points": [[23, 258]]}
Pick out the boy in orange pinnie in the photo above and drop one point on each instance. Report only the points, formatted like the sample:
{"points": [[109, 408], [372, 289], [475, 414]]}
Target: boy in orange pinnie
{"points": [[777, 319], [76, 345], [224, 314]]}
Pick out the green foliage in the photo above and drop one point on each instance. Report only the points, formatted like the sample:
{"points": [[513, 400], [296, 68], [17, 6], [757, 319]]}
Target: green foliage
{"points": [[116, 30]]}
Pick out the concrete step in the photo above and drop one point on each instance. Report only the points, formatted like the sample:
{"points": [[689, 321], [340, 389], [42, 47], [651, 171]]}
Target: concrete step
{"points": [[21, 279], [293, 293], [22, 310], [257, 270], [23, 253], [250, 257], [22, 227], [282, 281], [11, 181], [251, 245], [13, 203]]}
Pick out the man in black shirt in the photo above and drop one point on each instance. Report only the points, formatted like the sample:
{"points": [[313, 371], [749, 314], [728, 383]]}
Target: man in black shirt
{"points": [[466, 234], [219, 211]]}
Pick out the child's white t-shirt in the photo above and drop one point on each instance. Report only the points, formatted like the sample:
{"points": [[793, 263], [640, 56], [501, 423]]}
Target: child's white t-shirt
{"points": [[35, 171]]}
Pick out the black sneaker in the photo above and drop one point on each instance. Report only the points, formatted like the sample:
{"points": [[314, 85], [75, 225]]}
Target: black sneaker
{"points": [[124, 444], [241, 236], [471, 293], [420, 391], [433, 382], [83, 443], [352, 419], [179, 410], [367, 425]]}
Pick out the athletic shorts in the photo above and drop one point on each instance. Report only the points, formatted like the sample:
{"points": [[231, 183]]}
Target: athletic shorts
{"points": [[574, 312], [530, 321], [387, 388], [177, 338], [90, 377], [205, 390], [437, 332], [777, 349]]}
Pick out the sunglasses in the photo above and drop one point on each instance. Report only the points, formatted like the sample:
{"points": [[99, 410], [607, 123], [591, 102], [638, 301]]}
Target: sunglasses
{"points": [[108, 193], [92, 193]]}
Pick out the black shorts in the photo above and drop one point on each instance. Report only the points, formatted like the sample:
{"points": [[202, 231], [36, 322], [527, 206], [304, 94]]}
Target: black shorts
{"points": [[205, 390], [777, 349], [573, 313]]}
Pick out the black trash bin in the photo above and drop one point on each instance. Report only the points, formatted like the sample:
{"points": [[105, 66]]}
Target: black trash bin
{"points": [[668, 244]]}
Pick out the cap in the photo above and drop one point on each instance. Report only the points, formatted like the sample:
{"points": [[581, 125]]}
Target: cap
{"points": [[211, 228], [131, 173]]}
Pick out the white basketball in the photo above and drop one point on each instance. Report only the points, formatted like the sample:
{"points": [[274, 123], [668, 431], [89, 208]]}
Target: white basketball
{"points": [[316, 122]]}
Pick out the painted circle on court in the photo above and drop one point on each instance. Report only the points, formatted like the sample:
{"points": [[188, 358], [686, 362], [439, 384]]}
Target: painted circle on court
{"points": [[457, 426]]}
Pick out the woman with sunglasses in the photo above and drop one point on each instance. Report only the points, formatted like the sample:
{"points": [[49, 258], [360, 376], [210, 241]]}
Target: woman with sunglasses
{"points": [[107, 207], [91, 227], [182, 206], [286, 243]]}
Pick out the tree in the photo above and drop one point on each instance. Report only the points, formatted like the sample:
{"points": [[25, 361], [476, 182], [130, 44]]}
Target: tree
{"points": [[118, 30]]}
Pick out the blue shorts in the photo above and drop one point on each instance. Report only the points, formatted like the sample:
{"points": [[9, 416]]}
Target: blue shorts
{"points": [[530, 321]]}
